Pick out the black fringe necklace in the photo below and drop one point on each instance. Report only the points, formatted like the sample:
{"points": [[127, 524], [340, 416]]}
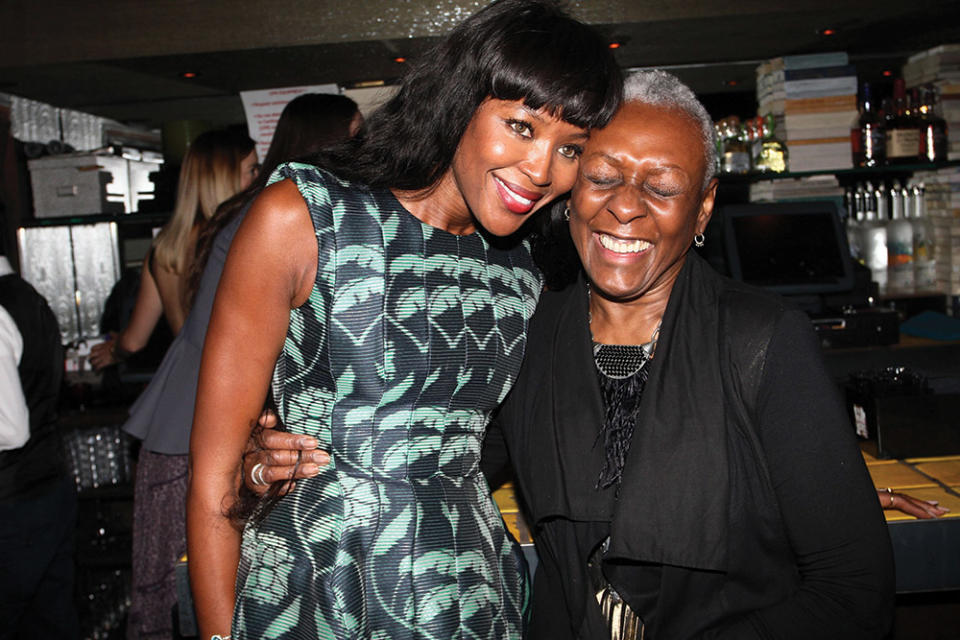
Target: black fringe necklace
{"points": [[622, 372]]}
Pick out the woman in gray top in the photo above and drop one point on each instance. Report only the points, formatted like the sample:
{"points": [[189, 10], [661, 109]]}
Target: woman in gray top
{"points": [[163, 414]]}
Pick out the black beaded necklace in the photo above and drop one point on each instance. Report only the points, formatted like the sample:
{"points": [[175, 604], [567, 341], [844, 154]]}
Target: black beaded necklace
{"points": [[622, 373]]}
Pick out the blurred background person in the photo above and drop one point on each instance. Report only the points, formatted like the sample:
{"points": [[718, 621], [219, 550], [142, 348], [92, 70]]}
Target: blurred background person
{"points": [[38, 499], [217, 165], [163, 414]]}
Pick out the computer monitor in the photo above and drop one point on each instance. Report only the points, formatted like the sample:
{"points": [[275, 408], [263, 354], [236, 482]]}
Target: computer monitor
{"points": [[793, 248]]}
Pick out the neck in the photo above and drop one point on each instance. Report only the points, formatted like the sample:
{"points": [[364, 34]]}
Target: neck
{"points": [[628, 321], [441, 206]]}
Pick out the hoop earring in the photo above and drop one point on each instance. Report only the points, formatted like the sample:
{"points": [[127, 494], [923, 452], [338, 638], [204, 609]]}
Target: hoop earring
{"points": [[566, 213], [698, 240]]}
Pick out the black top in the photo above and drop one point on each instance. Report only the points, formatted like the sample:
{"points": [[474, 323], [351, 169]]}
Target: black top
{"points": [[745, 511], [41, 459]]}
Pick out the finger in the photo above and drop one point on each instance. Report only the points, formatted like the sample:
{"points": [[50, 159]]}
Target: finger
{"points": [[278, 457], [288, 457], [268, 419], [916, 508], [272, 439], [290, 472]]}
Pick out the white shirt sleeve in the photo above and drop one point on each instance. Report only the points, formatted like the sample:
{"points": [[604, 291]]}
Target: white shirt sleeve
{"points": [[14, 414]]}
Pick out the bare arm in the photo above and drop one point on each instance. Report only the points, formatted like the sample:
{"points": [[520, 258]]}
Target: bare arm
{"points": [[170, 291], [269, 270], [922, 509], [134, 337]]}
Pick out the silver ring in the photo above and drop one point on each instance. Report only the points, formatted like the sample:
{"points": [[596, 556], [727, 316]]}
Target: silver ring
{"points": [[256, 474]]}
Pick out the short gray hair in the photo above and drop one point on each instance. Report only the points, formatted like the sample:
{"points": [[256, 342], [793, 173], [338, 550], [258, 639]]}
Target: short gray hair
{"points": [[659, 88]]}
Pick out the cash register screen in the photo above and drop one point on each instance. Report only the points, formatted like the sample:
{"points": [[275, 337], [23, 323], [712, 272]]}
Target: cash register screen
{"points": [[790, 248]]}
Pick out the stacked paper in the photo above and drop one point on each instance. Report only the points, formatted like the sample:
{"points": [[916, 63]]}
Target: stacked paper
{"points": [[808, 188], [932, 65], [816, 98], [942, 200], [940, 67]]}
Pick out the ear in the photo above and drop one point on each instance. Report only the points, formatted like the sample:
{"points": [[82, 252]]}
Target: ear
{"points": [[706, 205]]}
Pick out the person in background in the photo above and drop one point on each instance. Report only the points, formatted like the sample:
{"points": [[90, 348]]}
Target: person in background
{"points": [[306, 125], [217, 165], [163, 414], [389, 287], [38, 500]]}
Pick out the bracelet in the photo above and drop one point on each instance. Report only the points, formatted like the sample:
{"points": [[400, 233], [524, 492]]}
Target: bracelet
{"points": [[890, 491]]}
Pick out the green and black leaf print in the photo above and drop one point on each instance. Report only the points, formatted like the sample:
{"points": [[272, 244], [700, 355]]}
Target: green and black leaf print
{"points": [[411, 337]]}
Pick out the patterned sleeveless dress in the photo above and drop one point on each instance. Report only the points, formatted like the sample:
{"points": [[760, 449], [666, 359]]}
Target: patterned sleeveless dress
{"points": [[410, 338]]}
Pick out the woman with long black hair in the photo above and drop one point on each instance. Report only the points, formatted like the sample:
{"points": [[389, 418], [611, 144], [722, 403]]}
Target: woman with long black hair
{"points": [[386, 296]]}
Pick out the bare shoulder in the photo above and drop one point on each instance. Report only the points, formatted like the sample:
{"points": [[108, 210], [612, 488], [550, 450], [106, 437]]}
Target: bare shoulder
{"points": [[277, 235], [280, 207]]}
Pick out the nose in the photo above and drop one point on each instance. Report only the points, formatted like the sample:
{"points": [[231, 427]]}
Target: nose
{"points": [[538, 165], [627, 204]]}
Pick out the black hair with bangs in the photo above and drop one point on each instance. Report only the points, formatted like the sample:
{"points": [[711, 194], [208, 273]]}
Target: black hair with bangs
{"points": [[528, 50]]}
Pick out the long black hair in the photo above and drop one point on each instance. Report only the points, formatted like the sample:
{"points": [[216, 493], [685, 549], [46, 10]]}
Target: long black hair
{"points": [[528, 50]]}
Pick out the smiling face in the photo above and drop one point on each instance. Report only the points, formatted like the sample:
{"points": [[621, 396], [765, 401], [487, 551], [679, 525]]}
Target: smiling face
{"points": [[639, 200], [511, 161]]}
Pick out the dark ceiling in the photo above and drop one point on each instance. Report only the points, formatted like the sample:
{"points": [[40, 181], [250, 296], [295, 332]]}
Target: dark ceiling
{"points": [[123, 59]]}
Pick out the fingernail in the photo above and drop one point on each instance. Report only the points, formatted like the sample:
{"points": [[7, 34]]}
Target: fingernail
{"points": [[320, 457], [308, 443], [311, 470]]}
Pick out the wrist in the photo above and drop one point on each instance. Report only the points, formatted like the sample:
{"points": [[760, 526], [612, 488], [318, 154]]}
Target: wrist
{"points": [[119, 354]]}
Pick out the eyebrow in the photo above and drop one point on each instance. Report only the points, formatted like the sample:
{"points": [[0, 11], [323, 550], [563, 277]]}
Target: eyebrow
{"points": [[666, 167], [535, 114]]}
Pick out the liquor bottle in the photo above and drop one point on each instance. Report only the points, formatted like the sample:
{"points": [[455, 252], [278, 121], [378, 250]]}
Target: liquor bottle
{"points": [[933, 128], [903, 136], [924, 263], [868, 136], [900, 275], [854, 224], [873, 245], [873, 242], [880, 203], [770, 155], [735, 157]]}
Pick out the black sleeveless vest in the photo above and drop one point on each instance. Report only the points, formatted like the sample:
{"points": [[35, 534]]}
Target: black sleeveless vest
{"points": [[40, 460]]}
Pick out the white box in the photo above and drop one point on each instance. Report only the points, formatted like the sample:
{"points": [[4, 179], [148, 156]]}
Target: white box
{"points": [[79, 184]]}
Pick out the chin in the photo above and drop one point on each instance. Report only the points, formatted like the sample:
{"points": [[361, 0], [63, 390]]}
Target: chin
{"points": [[499, 226], [617, 291]]}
